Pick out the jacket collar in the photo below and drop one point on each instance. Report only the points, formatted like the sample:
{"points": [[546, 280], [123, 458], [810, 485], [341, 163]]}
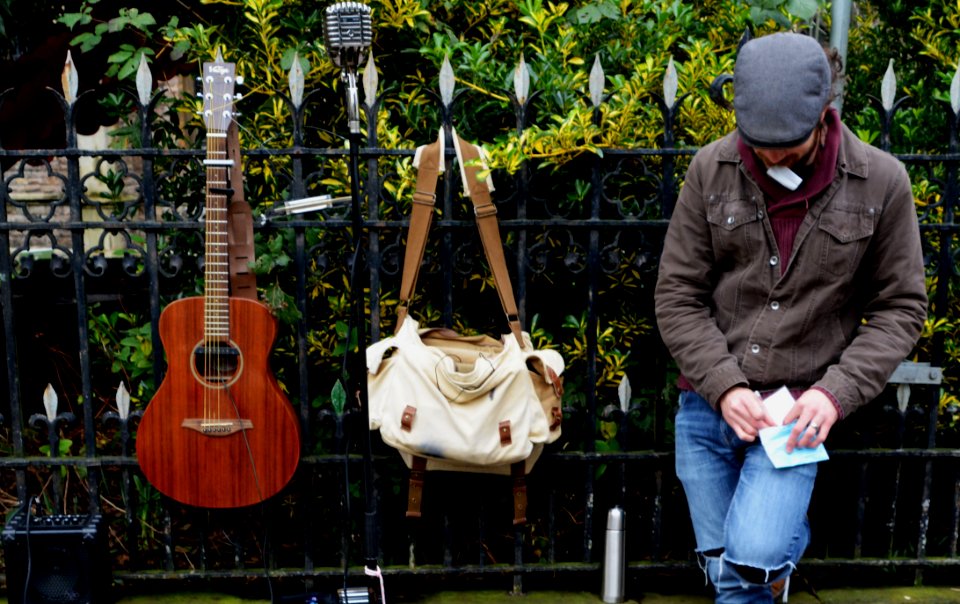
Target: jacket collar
{"points": [[852, 157]]}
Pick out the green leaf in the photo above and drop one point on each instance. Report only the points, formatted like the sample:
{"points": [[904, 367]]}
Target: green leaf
{"points": [[802, 9], [86, 41], [119, 57], [588, 14], [72, 19], [610, 10], [180, 49], [141, 21], [128, 69], [338, 398]]}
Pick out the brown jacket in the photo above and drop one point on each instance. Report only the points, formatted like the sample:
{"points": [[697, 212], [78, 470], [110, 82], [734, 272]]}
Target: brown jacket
{"points": [[846, 311]]}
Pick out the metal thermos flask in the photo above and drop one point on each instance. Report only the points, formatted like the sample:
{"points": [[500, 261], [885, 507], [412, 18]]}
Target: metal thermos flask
{"points": [[613, 558]]}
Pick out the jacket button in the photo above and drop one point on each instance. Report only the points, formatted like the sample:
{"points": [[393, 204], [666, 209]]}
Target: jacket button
{"points": [[755, 349], [760, 215], [774, 260], [730, 220], [775, 305]]}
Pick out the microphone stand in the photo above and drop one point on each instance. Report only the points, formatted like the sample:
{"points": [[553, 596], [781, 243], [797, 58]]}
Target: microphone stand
{"points": [[349, 76]]}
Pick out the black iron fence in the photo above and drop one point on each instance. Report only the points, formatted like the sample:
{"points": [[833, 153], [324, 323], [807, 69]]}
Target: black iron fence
{"points": [[86, 271]]}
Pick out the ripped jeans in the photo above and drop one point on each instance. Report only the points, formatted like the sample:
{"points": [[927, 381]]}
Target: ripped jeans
{"points": [[749, 518]]}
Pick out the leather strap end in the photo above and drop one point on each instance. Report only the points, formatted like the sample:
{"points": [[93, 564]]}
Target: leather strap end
{"points": [[415, 487], [518, 471], [516, 330], [505, 437], [556, 418], [555, 380], [402, 311], [406, 419]]}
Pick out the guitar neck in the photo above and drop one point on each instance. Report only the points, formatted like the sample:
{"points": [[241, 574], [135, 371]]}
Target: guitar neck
{"points": [[216, 267]]}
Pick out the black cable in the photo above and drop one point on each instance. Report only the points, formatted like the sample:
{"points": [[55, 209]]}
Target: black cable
{"points": [[256, 481], [347, 511], [345, 376], [26, 532]]}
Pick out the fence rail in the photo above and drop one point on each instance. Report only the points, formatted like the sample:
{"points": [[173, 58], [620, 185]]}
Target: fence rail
{"points": [[887, 500]]}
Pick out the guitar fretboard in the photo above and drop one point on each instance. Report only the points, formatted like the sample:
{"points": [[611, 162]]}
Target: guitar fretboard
{"points": [[216, 318]]}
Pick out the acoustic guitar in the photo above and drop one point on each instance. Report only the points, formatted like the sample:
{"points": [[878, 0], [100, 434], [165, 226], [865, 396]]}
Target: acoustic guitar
{"points": [[219, 433]]}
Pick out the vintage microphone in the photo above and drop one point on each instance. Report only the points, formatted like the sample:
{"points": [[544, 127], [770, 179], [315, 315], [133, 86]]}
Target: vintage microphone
{"points": [[348, 34]]}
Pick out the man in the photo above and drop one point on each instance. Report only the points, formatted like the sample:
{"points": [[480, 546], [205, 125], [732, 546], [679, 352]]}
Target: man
{"points": [[792, 259]]}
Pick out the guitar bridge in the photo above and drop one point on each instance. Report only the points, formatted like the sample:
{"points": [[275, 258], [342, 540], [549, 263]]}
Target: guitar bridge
{"points": [[219, 427]]}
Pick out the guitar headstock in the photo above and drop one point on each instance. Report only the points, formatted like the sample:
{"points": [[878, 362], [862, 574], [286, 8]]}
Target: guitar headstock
{"points": [[219, 79]]}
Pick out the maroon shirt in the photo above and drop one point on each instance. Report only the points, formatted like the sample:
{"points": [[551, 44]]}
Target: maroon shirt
{"points": [[787, 208]]}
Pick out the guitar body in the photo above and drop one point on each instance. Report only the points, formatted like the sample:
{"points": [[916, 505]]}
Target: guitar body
{"points": [[219, 433]]}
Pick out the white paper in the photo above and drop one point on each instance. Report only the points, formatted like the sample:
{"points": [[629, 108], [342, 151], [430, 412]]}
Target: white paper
{"points": [[785, 176], [774, 439], [779, 404]]}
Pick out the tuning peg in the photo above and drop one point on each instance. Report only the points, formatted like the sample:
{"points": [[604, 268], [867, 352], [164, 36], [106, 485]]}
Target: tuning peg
{"points": [[240, 80], [237, 96]]}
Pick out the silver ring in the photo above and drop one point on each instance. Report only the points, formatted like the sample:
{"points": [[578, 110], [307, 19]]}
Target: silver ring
{"points": [[814, 425]]}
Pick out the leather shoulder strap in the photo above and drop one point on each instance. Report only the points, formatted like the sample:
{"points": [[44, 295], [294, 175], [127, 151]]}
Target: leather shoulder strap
{"points": [[421, 216], [486, 213], [243, 283]]}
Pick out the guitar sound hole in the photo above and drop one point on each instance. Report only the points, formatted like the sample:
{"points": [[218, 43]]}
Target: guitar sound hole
{"points": [[216, 364]]}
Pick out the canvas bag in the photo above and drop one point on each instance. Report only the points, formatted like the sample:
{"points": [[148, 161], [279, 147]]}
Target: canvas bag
{"points": [[462, 403]]}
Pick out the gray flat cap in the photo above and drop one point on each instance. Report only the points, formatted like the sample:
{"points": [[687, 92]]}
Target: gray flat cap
{"points": [[781, 83]]}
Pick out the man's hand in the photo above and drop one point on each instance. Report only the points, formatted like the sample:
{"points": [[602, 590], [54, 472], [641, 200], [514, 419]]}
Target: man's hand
{"points": [[743, 410], [815, 415]]}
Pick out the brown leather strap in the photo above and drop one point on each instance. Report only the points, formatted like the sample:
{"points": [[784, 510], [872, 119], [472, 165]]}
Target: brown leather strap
{"points": [[519, 473], [415, 486], [486, 213], [243, 283], [421, 216]]}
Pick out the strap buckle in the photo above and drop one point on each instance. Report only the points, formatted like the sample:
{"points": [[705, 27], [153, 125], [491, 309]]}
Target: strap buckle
{"points": [[422, 197], [487, 209]]}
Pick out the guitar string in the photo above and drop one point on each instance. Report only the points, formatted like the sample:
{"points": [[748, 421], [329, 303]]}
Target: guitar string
{"points": [[216, 316]]}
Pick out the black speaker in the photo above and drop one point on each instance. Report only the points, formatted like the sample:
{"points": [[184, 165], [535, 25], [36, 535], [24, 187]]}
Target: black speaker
{"points": [[60, 559]]}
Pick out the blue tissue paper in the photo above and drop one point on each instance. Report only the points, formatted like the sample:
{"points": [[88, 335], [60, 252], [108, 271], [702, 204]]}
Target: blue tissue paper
{"points": [[774, 441]]}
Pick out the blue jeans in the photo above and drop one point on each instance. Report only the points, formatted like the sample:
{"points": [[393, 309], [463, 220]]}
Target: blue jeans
{"points": [[749, 518]]}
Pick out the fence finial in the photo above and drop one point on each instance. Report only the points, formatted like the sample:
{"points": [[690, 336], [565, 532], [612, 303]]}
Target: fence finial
{"points": [[955, 91], [596, 82], [521, 81], [888, 88], [50, 402], [123, 402], [296, 79], [69, 80], [447, 82], [371, 81], [625, 393], [670, 85], [144, 81]]}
